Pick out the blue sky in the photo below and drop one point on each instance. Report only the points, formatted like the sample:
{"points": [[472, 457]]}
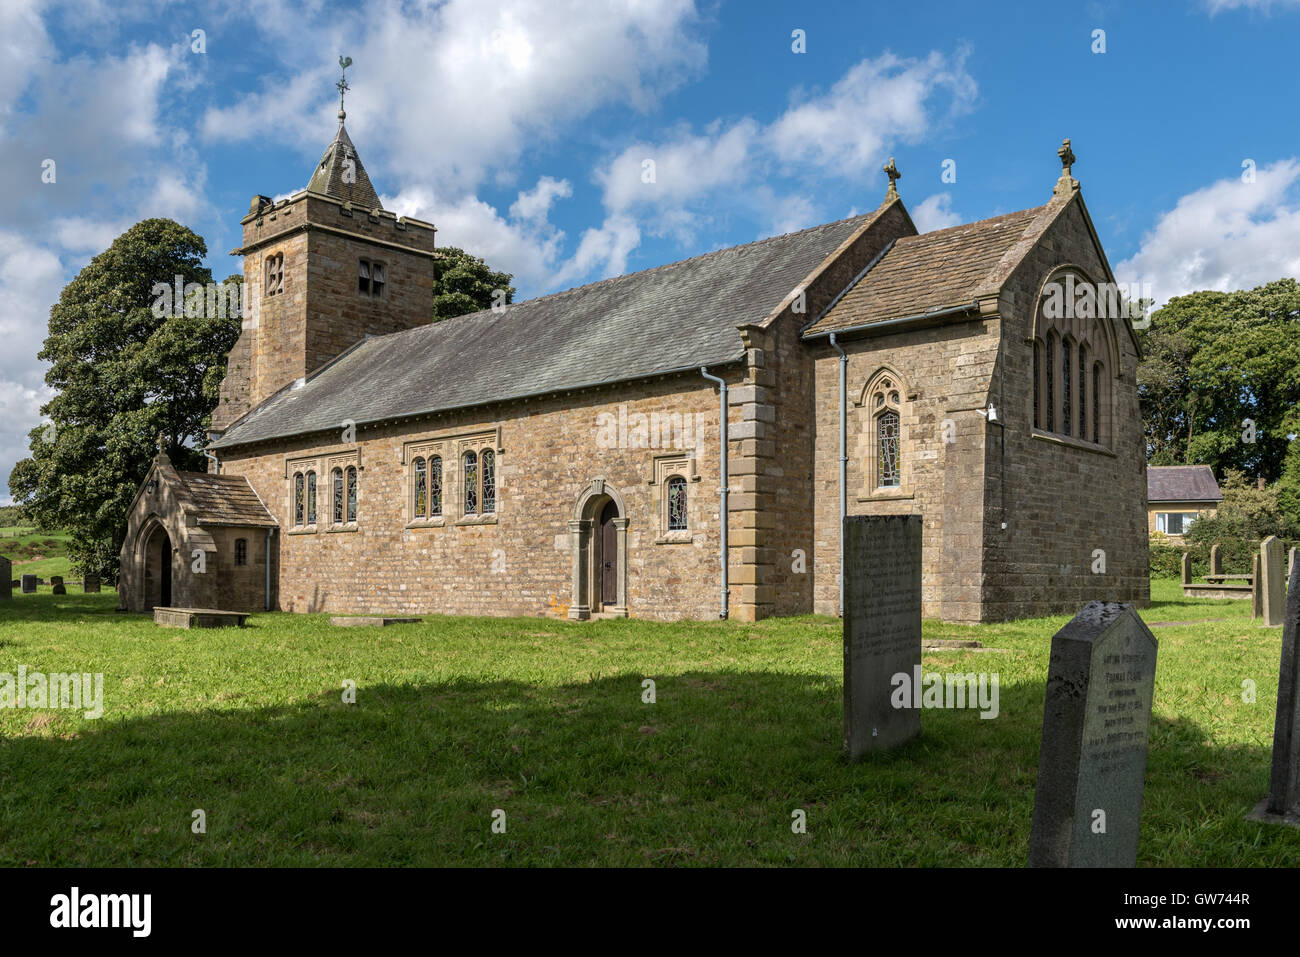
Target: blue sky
{"points": [[521, 129]]}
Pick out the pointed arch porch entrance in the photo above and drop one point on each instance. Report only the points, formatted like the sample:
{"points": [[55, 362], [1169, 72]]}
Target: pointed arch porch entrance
{"points": [[598, 536]]}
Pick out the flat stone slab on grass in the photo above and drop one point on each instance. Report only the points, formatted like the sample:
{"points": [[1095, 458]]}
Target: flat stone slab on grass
{"points": [[1217, 591], [933, 644], [369, 621], [199, 618]]}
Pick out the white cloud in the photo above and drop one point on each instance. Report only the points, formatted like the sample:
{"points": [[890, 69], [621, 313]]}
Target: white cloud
{"points": [[1266, 6], [1228, 235], [935, 212], [879, 101], [535, 205]]}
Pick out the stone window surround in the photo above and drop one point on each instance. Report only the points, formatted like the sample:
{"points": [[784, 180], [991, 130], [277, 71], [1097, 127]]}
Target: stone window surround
{"points": [[1101, 351], [664, 468], [866, 433], [273, 274], [323, 465], [451, 446]]}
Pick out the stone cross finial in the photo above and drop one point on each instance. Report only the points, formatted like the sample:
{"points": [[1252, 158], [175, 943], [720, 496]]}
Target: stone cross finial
{"points": [[342, 84], [161, 442], [894, 175], [1067, 183]]}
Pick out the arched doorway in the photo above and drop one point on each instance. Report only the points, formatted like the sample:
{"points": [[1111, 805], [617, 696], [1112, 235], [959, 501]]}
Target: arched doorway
{"points": [[598, 532], [157, 561]]}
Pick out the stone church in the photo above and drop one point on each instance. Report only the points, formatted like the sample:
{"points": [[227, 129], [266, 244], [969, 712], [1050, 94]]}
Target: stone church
{"points": [[679, 442]]}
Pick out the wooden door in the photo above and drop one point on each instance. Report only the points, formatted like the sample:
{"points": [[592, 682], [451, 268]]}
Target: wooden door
{"points": [[609, 556]]}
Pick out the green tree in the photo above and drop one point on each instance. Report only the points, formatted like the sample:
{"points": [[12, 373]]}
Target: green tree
{"points": [[1247, 513], [127, 365], [464, 283], [1218, 367]]}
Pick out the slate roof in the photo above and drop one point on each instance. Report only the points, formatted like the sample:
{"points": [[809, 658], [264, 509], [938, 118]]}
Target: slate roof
{"points": [[667, 319], [1182, 483], [224, 499], [946, 267], [333, 178]]}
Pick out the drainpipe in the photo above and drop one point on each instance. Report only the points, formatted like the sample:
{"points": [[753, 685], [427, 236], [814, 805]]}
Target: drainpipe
{"points": [[844, 458], [216, 461], [723, 490], [270, 533]]}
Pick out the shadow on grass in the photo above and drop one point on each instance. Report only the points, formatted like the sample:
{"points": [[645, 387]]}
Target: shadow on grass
{"points": [[586, 774]]}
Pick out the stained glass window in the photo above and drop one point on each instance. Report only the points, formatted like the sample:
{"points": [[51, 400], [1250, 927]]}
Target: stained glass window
{"points": [[421, 489], [1081, 399], [471, 483], [489, 465], [676, 504], [1038, 382], [297, 499], [1051, 396], [336, 479], [352, 494], [311, 498], [1065, 386], [887, 473], [435, 485], [1096, 403]]}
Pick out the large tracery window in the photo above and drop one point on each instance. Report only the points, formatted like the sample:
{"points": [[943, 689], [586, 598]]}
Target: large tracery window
{"points": [[882, 400], [1072, 348]]}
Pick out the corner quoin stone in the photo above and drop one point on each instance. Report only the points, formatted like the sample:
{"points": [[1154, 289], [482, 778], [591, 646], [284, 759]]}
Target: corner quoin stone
{"points": [[1096, 727]]}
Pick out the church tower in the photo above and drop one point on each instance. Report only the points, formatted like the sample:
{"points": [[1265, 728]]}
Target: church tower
{"points": [[323, 269]]}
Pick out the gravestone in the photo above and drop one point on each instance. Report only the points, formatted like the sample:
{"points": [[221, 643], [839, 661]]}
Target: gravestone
{"points": [[1273, 591], [1093, 758], [1290, 566], [6, 579], [90, 584], [58, 589], [1216, 559], [882, 630], [29, 584], [1282, 803], [56, 579], [1187, 568], [1256, 598]]}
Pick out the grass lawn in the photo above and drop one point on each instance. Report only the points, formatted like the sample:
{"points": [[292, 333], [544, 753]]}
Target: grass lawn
{"points": [[544, 719], [35, 553]]}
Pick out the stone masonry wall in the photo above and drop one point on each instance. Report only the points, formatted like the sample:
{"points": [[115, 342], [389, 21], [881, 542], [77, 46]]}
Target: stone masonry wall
{"points": [[521, 564]]}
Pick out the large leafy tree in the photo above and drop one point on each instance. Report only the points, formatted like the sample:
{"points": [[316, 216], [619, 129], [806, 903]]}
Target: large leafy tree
{"points": [[464, 283], [1219, 369], [123, 374]]}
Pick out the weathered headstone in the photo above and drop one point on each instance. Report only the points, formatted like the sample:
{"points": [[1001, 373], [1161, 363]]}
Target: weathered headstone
{"points": [[1273, 591], [1216, 559], [1256, 597], [1283, 800], [58, 589], [1093, 758], [56, 579], [882, 630], [29, 584], [1187, 568], [6, 579], [1290, 565], [90, 584]]}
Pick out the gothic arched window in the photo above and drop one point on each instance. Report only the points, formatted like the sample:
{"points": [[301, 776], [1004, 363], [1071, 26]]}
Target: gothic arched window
{"points": [[352, 494], [1073, 346], [421, 508], [311, 498], [435, 486], [1066, 417], [488, 463], [471, 483], [336, 496], [298, 500]]}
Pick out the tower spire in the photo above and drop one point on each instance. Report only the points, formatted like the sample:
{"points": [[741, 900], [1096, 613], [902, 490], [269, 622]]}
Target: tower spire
{"points": [[342, 84]]}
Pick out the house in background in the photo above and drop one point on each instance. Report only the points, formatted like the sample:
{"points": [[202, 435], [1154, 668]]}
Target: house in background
{"points": [[1177, 495]]}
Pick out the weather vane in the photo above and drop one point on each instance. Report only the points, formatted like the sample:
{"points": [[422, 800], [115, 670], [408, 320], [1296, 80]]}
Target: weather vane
{"points": [[342, 84]]}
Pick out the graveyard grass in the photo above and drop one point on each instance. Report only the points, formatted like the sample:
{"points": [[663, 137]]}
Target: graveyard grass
{"points": [[544, 719]]}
